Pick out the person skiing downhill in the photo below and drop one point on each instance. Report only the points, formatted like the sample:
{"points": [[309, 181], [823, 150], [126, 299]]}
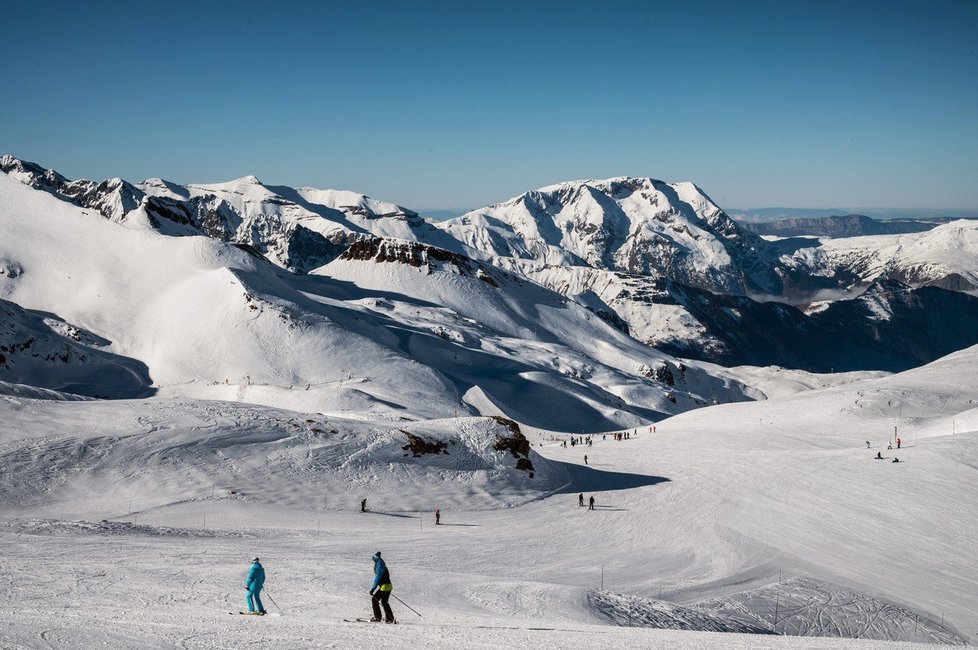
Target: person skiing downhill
{"points": [[591, 503], [580, 500], [437, 515], [253, 585], [381, 590]]}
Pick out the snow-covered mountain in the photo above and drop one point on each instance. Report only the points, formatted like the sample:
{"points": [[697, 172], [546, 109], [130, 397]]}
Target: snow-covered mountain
{"points": [[298, 229], [665, 261], [659, 261], [630, 225], [389, 326], [945, 256]]}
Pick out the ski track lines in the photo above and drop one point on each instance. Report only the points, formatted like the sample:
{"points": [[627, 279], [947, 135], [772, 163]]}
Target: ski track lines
{"points": [[888, 547]]}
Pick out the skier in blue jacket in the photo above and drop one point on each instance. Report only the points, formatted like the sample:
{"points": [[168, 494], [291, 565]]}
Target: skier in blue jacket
{"points": [[254, 584], [381, 590]]}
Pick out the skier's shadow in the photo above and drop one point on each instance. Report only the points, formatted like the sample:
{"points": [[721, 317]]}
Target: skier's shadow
{"points": [[391, 514], [588, 479], [468, 525]]}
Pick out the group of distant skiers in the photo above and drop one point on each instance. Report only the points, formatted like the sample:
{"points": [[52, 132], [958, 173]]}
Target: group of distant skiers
{"points": [[380, 590], [579, 440], [589, 440], [889, 445]]}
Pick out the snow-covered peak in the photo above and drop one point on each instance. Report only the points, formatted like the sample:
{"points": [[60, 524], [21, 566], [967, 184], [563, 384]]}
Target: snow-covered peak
{"points": [[634, 225]]}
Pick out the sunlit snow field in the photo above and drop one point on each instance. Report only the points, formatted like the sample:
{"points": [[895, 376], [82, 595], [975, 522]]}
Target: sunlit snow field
{"points": [[131, 524]]}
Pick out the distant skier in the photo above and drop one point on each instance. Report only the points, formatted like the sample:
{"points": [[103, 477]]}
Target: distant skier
{"points": [[879, 455], [889, 445], [363, 505], [381, 590], [867, 444], [437, 515], [898, 443], [580, 500], [896, 460], [585, 459], [591, 503], [253, 585]]}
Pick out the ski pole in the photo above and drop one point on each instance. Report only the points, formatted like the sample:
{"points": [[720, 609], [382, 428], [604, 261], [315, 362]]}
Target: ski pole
{"points": [[403, 603], [268, 593]]}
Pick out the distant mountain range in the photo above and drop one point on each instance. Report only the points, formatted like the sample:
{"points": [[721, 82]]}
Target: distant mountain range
{"points": [[660, 262], [851, 225], [882, 214]]}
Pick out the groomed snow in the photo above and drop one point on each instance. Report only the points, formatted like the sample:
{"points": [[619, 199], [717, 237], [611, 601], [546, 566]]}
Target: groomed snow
{"points": [[703, 522]]}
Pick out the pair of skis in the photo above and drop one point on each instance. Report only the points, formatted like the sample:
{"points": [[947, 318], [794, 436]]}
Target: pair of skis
{"points": [[365, 620], [345, 620]]}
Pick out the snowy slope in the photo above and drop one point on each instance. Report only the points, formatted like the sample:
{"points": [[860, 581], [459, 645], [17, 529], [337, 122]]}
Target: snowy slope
{"points": [[698, 526], [195, 310], [43, 351]]}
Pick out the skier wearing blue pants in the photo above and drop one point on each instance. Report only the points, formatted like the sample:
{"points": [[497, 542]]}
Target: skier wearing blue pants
{"points": [[254, 584]]}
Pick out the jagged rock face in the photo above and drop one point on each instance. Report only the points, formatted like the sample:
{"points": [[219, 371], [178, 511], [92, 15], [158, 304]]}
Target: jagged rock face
{"points": [[113, 198], [382, 250]]}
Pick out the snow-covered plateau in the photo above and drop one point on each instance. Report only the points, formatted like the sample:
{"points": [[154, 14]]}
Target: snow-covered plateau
{"points": [[187, 383]]}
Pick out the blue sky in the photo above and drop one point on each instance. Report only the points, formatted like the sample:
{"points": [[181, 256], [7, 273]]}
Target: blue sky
{"points": [[459, 104]]}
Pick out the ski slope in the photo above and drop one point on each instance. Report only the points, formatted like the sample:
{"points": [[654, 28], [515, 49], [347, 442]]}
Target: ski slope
{"points": [[131, 523]]}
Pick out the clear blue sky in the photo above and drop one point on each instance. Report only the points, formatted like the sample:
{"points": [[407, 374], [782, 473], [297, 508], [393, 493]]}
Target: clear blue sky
{"points": [[459, 104]]}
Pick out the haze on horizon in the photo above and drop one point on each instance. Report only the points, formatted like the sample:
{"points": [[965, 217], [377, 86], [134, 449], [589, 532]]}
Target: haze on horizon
{"points": [[437, 105]]}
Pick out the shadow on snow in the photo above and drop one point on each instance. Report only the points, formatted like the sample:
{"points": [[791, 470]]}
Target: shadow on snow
{"points": [[588, 479]]}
